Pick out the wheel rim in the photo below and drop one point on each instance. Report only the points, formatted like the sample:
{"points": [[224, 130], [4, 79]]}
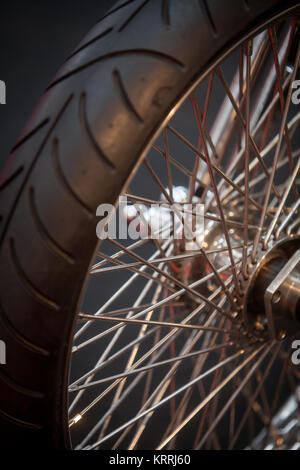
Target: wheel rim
{"points": [[188, 338]]}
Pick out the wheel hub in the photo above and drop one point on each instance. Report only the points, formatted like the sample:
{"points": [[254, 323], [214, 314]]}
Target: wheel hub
{"points": [[270, 296], [272, 292]]}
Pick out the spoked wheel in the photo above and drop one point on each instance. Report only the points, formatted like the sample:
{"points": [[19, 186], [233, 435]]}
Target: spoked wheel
{"points": [[182, 332], [184, 338]]}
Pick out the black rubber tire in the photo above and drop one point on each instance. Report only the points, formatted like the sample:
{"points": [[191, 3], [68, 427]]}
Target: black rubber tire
{"points": [[91, 127]]}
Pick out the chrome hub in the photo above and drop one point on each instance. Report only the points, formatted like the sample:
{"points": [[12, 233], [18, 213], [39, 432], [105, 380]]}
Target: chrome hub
{"points": [[272, 292]]}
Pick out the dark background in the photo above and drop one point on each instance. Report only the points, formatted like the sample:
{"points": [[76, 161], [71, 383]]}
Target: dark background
{"points": [[35, 39]]}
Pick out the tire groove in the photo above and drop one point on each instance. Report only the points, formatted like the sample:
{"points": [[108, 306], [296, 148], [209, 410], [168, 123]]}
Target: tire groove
{"points": [[136, 11], [247, 5], [165, 12], [63, 180], [125, 97], [8, 180], [44, 141], [11, 383], [20, 422], [20, 338], [30, 134], [207, 13], [145, 52], [85, 124], [114, 10], [27, 284], [51, 244], [89, 43]]}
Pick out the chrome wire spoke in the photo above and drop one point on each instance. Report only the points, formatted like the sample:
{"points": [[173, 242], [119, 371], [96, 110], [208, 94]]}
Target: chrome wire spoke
{"points": [[194, 179], [129, 267], [234, 395], [198, 367], [255, 130], [183, 329], [89, 376], [131, 363], [255, 181], [116, 329], [253, 397], [153, 322], [163, 302], [179, 283], [266, 150], [224, 123], [155, 306], [158, 393], [220, 209], [123, 288], [187, 211], [244, 124], [279, 86], [261, 101], [167, 259], [165, 341], [162, 388], [164, 400], [209, 397], [171, 278], [121, 252], [246, 162], [283, 200], [287, 219], [278, 146], [215, 167], [153, 366]]}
